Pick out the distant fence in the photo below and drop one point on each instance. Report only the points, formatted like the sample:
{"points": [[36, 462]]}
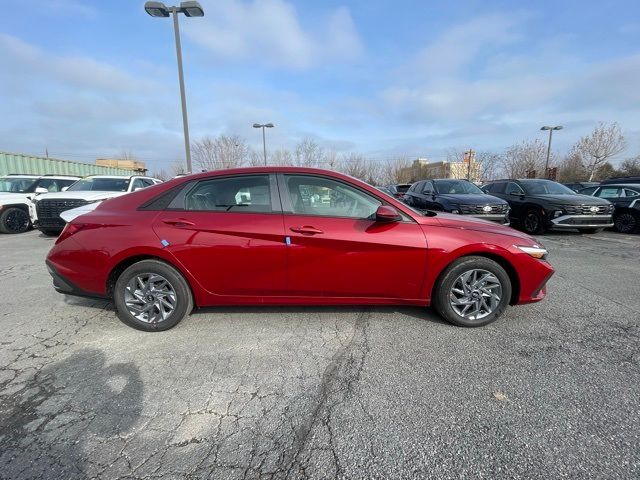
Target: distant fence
{"points": [[19, 163]]}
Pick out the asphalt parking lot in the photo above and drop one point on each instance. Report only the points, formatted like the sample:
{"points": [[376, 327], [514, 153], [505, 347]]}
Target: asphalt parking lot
{"points": [[550, 390]]}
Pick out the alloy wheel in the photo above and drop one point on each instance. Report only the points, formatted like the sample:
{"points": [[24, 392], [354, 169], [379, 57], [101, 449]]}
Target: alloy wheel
{"points": [[150, 298], [475, 294], [17, 221], [625, 223], [531, 222]]}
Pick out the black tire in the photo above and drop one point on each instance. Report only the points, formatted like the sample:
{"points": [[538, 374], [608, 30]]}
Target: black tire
{"points": [[626, 222], [532, 223], [589, 231], [14, 220], [183, 297], [448, 278], [50, 232]]}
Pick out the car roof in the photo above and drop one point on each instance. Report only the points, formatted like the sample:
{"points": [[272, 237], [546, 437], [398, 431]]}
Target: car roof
{"points": [[635, 186], [268, 170]]}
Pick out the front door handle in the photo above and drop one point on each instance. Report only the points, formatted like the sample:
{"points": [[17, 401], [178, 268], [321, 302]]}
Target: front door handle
{"points": [[178, 222], [306, 230]]}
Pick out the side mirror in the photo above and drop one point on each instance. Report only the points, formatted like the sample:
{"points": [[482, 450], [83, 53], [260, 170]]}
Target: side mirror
{"points": [[387, 214], [64, 189], [41, 190], [517, 194], [137, 188]]}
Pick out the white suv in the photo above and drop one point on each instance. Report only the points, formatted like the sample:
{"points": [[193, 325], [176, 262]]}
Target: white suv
{"points": [[17, 192], [47, 208]]}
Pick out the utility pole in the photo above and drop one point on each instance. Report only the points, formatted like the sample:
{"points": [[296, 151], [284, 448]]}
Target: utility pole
{"points": [[470, 154]]}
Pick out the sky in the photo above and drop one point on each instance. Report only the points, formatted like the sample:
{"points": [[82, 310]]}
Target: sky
{"points": [[84, 79]]}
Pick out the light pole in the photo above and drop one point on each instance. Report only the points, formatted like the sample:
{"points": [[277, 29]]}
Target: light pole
{"points": [[264, 141], [190, 9], [551, 129]]}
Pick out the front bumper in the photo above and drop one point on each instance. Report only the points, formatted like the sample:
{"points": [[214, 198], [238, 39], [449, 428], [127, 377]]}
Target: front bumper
{"points": [[582, 221]]}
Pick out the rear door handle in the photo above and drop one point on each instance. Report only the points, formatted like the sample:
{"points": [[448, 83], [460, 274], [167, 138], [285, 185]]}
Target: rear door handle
{"points": [[178, 222], [306, 230]]}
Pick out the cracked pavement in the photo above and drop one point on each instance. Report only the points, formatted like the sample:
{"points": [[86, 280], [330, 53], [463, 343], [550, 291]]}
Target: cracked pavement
{"points": [[550, 390]]}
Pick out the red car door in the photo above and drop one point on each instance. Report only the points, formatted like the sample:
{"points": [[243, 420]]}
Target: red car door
{"points": [[228, 232], [337, 249]]}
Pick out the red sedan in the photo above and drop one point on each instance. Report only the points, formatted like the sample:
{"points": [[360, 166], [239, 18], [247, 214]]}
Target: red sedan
{"points": [[289, 236]]}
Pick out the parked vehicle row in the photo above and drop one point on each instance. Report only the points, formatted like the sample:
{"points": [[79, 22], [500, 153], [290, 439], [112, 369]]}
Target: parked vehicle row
{"points": [[28, 201], [535, 205]]}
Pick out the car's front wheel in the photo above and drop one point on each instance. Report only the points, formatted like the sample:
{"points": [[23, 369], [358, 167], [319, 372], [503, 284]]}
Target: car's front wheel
{"points": [[626, 222], [14, 220], [153, 296], [472, 291], [533, 223]]}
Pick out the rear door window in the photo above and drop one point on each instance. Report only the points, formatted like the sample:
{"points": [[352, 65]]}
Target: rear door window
{"points": [[244, 194]]}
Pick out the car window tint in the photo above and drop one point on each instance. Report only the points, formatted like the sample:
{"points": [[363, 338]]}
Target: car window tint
{"points": [[513, 188], [249, 193], [608, 192], [630, 193], [498, 187], [587, 191], [329, 198]]}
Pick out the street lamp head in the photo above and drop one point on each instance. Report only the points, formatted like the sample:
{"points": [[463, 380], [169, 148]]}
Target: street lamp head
{"points": [[191, 9], [257, 125], [545, 128], [269, 125], [559, 127], [156, 9]]}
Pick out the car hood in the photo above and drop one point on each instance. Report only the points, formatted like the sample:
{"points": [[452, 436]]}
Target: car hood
{"points": [[466, 222], [10, 197], [571, 199], [88, 195], [471, 198]]}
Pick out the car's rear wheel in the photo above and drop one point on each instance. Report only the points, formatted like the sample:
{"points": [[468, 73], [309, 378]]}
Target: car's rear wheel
{"points": [[472, 291], [51, 232], [14, 220], [153, 296], [625, 222], [533, 223]]}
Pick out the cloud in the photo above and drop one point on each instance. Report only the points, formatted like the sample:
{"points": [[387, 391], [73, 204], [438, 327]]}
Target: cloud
{"points": [[270, 32], [81, 72]]}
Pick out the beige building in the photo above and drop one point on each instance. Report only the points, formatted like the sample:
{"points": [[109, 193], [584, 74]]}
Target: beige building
{"points": [[118, 163], [422, 169]]}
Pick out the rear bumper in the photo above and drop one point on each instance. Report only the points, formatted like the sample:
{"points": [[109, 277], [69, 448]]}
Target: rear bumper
{"points": [[66, 287], [582, 221]]}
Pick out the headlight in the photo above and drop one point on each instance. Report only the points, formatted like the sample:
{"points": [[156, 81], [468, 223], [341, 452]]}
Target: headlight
{"points": [[611, 208], [535, 251], [557, 213]]}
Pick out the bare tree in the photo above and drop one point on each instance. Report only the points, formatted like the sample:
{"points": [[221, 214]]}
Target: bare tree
{"points": [[281, 157], [604, 171], [524, 157], [255, 158], [572, 168], [178, 167], [219, 152], [356, 165], [603, 143], [308, 154], [395, 170], [490, 165], [331, 160], [631, 166]]}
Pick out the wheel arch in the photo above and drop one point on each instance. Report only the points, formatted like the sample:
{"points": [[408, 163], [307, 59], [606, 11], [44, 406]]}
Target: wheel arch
{"points": [[125, 263], [499, 259]]}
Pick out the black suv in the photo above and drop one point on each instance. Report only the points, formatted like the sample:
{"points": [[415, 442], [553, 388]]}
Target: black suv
{"points": [[457, 196], [626, 200], [538, 205]]}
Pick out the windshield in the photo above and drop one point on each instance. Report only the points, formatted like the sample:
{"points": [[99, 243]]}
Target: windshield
{"points": [[456, 186], [17, 184], [546, 187], [101, 184]]}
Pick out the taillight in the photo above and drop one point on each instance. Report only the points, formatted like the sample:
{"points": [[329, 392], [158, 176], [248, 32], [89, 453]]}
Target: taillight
{"points": [[72, 229]]}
